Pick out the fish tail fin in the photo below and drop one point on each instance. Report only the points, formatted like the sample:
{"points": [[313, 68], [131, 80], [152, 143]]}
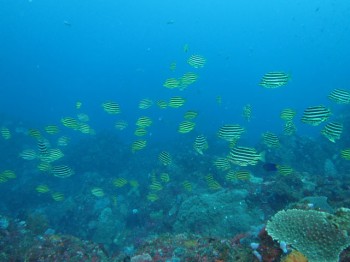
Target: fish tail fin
{"points": [[262, 156]]}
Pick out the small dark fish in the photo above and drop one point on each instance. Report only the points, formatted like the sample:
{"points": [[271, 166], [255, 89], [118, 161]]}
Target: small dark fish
{"points": [[270, 167]]}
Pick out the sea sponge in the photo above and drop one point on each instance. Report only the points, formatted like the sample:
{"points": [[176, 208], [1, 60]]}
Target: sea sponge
{"points": [[320, 236], [294, 256]]}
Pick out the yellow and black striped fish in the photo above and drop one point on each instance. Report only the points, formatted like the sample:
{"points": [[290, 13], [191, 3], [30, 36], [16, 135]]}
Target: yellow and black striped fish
{"points": [[196, 61], [187, 79], [315, 115], [244, 156], [121, 125], [222, 163], [28, 154], [78, 104], [156, 186], [171, 83], [340, 96], [138, 145], [70, 122], [190, 115], [97, 192], [230, 132], [42, 189], [52, 129], [176, 102], [247, 112], [164, 177], [288, 114], [145, 103], [200, 144], [242, 175], [162, 104], [140, 131], [345, 154], [212, 183], [111, 107], [270, 139], [44, 166], [43, 148], [289, 128], [165, 158], [186, 127], [172, 66], [152, 197], [332, 131], [120, 182], [62, 171], [53, 154], [187, 185], [57, 196], [274, 79], [5, 133], [63, 141], [144, 121], [284, 170]]}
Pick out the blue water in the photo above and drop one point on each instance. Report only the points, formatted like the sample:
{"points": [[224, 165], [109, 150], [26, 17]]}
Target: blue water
{"points": [[55, 53], [121, 50]]}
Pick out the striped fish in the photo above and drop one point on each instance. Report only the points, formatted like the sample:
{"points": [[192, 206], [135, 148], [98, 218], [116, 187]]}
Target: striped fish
{"points": [[162, 104], [200, 144], [197, 61], [171, 83], [340, 96], [222, 163], [284, 170], [57, 196], [230, 132], [244, 156], [144, 121], [97, 192], [111, 107], [274, 79], [186, 127], [247, 112], [212, 183], [315, 115], [165, 158], [345, 154], [288, 114], [270, 139], [70, 122], [5, 133], [189, 115], [332, 131], [140, 131], [187, 79], [176, 102], [28, 154], [121, 125], [62, 171], [42, 148], [52, 129], [138, 145], [145, 103], [289, 128]]}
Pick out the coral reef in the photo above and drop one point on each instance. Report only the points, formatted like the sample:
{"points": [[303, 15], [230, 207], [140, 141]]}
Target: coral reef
{"points": [[222, 214], [19, 243], [320, 236]]}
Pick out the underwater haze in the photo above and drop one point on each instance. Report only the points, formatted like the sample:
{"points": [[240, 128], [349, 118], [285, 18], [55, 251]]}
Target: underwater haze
{"points": [[126, 116]]}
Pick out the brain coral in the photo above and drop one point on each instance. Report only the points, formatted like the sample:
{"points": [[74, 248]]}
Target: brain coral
{"points": [[320, 236]]}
